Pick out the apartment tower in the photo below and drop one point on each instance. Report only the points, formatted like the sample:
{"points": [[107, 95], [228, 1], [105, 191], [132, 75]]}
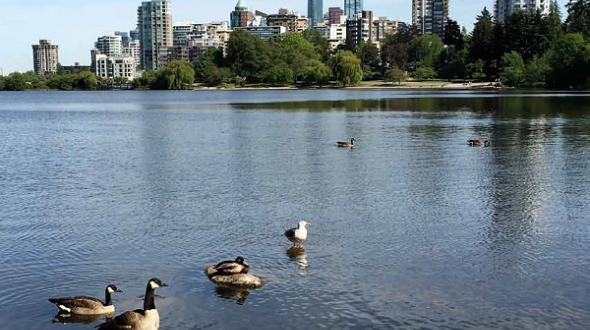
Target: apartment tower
{"points": [[353, 7], [154, 23], [315, 12], [503, 8], [430, 16], [45, 57]]}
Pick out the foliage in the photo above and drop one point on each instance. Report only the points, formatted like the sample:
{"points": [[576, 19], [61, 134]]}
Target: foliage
{"points": [[536, 71], [212, 57], [451, 64], [394, 49], [424, 73], [15, 82], [397, 75], [578, 19], [2, 83], [321, 44], [512, 73], [296, 51], [179, 75], [569, 61], [347, 68], [317, 73], [150, 80], [368, 53], [247, 54], [86, 80], [482, 45], [475, 70], [278, 73], [424, 50], [453, 35]]}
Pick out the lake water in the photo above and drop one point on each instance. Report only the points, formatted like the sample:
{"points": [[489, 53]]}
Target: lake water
{"points": [[412, 229]]}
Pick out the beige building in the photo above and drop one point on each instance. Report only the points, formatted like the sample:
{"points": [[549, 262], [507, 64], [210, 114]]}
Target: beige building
{"points": [[45, 57]]}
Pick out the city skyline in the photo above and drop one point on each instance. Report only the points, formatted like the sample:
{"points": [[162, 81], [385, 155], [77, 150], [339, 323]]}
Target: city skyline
{"points": [[77, 34]]}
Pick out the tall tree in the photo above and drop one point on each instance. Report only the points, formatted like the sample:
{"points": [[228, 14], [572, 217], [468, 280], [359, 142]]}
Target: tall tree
{"points": [[293, 49], [570, 62], [424, 50], [247, 54], [394, 49], [578, 19], [179, 75], [482, 41], [453, 35], [347, 68], [321, 44]]}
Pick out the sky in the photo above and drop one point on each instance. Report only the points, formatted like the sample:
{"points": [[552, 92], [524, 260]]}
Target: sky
{"points": [[75, 25]]}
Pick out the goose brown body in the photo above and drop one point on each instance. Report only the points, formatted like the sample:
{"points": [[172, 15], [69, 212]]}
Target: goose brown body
{"points": [[83, 305]]}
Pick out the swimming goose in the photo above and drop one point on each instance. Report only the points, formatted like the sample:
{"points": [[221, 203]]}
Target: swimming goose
{"points": [[478, 143], [87, 305], [346, 144], [139, 319], [233, 273], [299, 234], [232, 267]]}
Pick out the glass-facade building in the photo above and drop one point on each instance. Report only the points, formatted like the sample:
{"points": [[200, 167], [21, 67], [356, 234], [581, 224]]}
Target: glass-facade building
{"points": [[353, 7], [430, 16], [315, 12], [154, 23]]}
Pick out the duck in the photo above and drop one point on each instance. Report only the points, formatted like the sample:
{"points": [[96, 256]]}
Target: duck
{"points": [[299, 234], [233, 273], [239, 266], [83, 305], [478, 143], [139, 319], [346, 144]]}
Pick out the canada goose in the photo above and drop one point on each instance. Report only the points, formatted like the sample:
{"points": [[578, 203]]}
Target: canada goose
{"points": [[139, 319], [346, 144], [233, 267], [233, 273], [478, 143], [87, 305], [299, 234]]}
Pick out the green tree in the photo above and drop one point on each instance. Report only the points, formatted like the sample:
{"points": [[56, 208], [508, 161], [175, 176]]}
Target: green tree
{"points": [[394, 49], [247, 55], [513, 68], [293, 49], [424, 73], [397, 75], [150, 79], [451, 63], [212, 57], [482, 45], [321, 44], [424, 50], [536, 71], [347, 68], [216, 76], [578, 19], [2, 83], [15, 82], [278, 73], [569, 61], [179, 75], [317, 73], [453, 35], [368, 53], [86, 80], [475, 70]]}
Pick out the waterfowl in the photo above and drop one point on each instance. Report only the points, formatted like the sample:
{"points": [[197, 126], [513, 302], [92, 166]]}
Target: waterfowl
{"points": [[233, 273], [140, 319], [239, 266], [87, 305], [299, 234], [346, 144], [478, 143], [65, 318]]}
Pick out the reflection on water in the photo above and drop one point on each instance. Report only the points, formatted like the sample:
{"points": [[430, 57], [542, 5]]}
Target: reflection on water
{"points": [[298, 256], [65, 318], [416, 230], [232, 293]]}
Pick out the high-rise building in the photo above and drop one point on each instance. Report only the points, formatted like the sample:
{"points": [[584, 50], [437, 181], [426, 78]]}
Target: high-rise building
{"points": [[241, 16], [334, 14], [289, 20], [503, 8], [384, 27], [181, 31], [45, 57], [353, 7], [315, 12], [110, 45], [430, 16], [125, 38], [359, 29], [154, 22]]}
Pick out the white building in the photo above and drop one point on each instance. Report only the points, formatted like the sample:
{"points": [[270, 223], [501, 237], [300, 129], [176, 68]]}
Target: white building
{"points": [[110, 45], [133, 50], [264, 32], [114, 66], [45, 57], [503, 8]]}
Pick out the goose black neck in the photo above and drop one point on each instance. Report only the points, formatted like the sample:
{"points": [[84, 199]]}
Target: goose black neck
{"points": [[149, 303], [107, 297]]}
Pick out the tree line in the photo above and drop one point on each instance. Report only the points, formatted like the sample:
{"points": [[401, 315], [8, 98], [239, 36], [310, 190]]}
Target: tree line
{"points": [[528, 49]]}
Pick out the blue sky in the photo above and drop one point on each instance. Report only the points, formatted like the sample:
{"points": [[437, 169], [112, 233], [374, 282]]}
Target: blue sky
{"points": [[75, 24]]}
